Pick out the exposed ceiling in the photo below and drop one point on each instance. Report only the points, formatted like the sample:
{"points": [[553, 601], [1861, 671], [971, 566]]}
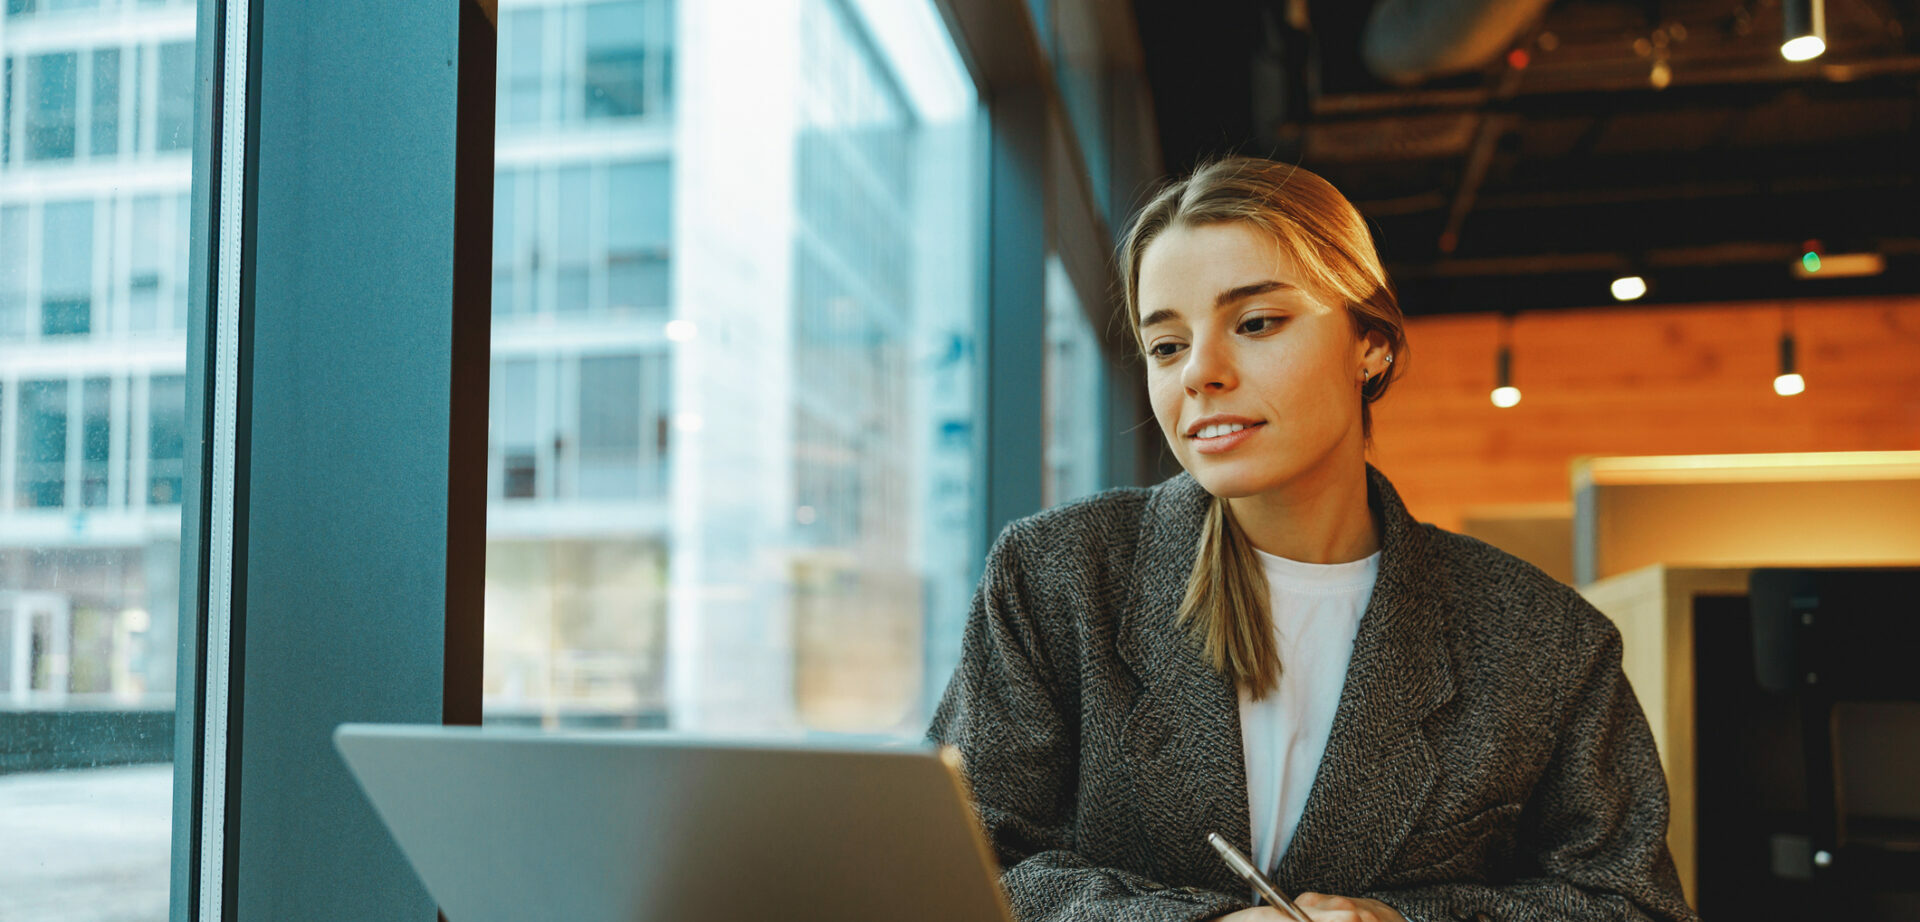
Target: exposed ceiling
{"points": [[1533, 181]]}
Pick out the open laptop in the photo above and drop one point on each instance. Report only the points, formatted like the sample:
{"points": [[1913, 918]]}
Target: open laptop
{"points": [[514, 825]]}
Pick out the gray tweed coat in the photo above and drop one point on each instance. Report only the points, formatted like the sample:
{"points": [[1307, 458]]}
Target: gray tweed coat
{"points": [[1487, 756]]}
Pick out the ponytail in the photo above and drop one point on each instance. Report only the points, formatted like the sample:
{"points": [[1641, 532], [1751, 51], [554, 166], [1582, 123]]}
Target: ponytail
{"points": [[1226, 605]]}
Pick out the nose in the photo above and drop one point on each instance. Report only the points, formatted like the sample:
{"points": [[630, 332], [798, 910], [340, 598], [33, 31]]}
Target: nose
{"points": [[1209, 366]]}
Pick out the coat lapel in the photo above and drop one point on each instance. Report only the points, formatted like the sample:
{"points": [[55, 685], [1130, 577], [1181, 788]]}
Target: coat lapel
{"points": [[1182, 737], [1379, 765]]}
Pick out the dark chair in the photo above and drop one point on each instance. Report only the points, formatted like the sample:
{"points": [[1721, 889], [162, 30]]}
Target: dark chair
{"points": [[1839, 644]]}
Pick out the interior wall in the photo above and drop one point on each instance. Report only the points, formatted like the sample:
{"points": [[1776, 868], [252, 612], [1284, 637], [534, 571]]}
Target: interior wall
{"points": [[1639, 381]]}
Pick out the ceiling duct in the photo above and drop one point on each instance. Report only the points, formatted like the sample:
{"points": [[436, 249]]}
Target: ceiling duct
{"points": [[1410, 41]]}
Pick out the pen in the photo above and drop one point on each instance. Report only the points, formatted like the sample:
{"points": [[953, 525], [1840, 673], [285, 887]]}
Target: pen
{"points": [[1261, 885]]}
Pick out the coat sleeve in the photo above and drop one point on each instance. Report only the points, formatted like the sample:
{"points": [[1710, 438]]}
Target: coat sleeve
{"points": [[1593, 843], [1020, 748]]}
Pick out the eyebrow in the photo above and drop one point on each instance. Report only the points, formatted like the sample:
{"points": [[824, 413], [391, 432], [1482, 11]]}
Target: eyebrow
{"points": [[1225, 298]]}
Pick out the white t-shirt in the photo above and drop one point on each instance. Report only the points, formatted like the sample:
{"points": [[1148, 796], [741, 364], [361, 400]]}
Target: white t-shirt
{"points": [[1316, 613]]}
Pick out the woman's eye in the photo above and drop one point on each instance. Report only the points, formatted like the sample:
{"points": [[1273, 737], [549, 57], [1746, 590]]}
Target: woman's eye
{"points": [[1163, 350], [1259, 324]]}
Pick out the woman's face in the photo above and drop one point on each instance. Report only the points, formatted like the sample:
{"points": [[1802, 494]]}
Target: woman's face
{"points": [[1235, 339]]}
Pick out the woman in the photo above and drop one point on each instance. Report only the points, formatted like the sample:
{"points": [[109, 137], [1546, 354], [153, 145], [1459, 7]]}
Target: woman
{"points": [[1394, 721]]}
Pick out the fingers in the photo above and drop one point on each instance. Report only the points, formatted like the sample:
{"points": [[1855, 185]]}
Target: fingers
{"points": [[1323, 907]]}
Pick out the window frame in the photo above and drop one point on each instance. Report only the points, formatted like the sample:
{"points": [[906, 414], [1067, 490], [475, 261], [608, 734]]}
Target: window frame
{"points": [[300, 251]]}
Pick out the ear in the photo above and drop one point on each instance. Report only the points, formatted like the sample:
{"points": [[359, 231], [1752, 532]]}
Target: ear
{"points": [[1371, 349]]}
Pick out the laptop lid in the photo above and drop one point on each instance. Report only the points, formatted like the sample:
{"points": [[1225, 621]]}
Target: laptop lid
{"points": [[515, 824]]}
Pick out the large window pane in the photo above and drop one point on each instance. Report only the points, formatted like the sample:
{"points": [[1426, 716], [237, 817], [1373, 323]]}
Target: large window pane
{"points": [[92, 430], [732, 484]]}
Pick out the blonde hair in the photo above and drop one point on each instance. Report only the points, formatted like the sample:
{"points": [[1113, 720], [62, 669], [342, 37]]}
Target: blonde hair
{"points": [[1226, 603]]}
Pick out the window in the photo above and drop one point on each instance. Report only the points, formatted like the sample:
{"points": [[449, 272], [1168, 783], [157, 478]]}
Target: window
{"points": [[733, 354], [13, 272], [66, 270], [52, 106], [173, 128], [166, 439], [146, 266], [618, 45], [43, 445], [522, 64], [96, 440], [639, 226], [105, 122], [92, 429], [1075, 384]]}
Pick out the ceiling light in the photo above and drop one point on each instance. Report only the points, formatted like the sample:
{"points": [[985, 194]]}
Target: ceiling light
{"points": [[1806, 29], [1629, 287], [1788, 382], [1505, 395]]}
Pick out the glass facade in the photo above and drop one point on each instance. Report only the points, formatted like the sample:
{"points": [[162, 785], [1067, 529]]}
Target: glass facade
{"points": [[95, 133], [733, 355]]}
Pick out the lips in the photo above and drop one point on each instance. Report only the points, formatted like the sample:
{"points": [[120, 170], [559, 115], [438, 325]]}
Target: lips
{"points": [[1219, 419], [1226, 442]]}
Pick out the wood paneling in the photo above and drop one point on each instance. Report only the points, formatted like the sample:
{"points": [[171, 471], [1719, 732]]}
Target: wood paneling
{"points": [[1639, 381]]}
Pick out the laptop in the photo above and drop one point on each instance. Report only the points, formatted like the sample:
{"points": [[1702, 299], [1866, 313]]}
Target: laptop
{"points": [[510, 825]]}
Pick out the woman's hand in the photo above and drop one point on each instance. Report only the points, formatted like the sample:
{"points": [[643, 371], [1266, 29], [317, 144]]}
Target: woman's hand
{"points": [[1322, 908]]}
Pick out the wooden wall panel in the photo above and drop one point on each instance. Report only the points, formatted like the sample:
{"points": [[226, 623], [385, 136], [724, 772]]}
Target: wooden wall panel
{"points": [[1639, 381]]}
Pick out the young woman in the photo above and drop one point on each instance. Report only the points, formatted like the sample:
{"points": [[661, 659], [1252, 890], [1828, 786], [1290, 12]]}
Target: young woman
{"points": [[1392, 720]]}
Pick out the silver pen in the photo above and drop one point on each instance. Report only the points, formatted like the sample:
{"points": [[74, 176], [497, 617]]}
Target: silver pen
{"points": [[1261, 885]]}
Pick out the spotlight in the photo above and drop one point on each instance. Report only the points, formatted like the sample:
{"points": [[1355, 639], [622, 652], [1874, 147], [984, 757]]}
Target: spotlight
{"points": [[1806, 32], [1788, 382], [1629, 288]]}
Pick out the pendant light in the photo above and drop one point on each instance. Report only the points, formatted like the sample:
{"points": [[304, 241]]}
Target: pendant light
{"points": [[1505, 395], [1806, 29]]}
